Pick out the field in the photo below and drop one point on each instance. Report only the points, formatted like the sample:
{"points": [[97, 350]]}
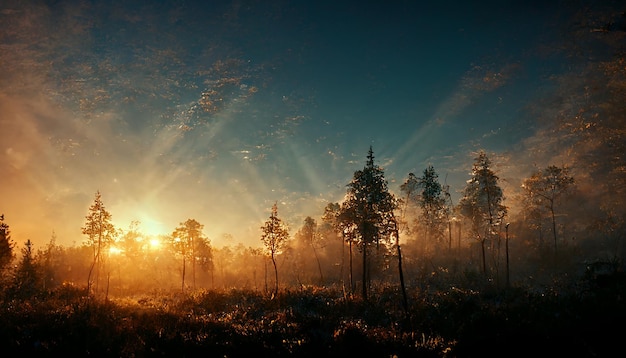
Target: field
{"points": [[581, 318]]}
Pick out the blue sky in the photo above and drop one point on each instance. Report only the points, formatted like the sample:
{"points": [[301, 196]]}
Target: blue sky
{"points": [[180, 110]]}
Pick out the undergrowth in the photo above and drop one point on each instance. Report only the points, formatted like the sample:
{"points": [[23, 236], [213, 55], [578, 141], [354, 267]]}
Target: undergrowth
{"points": [[451, 322]]}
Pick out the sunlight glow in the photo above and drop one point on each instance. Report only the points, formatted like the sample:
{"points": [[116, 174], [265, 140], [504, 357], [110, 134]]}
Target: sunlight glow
{"points": [[151, 227], [145, 224], [155, 244], [114, 250]]}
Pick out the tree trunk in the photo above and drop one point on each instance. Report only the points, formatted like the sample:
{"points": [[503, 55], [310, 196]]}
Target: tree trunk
{"points": [[364, 288], [482, 247], [508, 281], [275, 276], [405, 302], [93, 264], [319, 266], [106, 295], [343, 260], [265, 274], [193, 263], [449, 236], [351, 272], [553, 227], [183, 283]]}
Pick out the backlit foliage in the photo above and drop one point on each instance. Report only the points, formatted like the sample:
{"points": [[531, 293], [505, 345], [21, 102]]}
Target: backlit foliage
{"points": [[274, 236], [100, 234]]}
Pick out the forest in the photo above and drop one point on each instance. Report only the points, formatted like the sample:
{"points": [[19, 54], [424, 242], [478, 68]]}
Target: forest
{"points": [[391, 276], [524, 263]]}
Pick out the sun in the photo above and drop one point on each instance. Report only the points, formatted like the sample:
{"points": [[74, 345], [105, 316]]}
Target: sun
{"points": [[155, 243], [113, 250]]}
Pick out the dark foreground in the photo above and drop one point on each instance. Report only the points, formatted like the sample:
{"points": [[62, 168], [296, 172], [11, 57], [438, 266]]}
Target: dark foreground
{"points": [[585, 320]]}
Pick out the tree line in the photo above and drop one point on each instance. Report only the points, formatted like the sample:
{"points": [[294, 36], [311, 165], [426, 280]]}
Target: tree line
{"points": [[357, 243]]}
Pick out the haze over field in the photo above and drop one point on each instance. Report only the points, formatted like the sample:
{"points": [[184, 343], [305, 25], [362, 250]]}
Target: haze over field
{"points": [[216, 110]]}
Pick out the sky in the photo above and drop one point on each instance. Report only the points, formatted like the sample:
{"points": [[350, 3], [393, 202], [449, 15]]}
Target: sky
{"points": [[215, 110]]}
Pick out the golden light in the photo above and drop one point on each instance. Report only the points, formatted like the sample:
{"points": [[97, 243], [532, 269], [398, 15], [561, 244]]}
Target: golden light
{"points": [[151, 227], [140, 221], [155, 244], [114, 250]]}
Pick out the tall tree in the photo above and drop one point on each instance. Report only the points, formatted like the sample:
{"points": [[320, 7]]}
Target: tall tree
{"points": [[100, 234], [543, 189], [6, 246], [427, 193], [482, 202], [274, 235], [368, 209], [184, 240]]}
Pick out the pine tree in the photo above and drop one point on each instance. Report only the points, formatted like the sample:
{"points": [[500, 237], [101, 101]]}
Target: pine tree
{"points": [[6, 246], [26, 275], [482, 202], [368, 212]]}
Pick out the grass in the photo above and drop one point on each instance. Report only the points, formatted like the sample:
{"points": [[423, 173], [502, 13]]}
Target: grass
{"points": [[576, 321]]}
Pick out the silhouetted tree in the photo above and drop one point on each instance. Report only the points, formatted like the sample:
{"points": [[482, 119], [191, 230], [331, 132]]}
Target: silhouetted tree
{"points": [[49, 262], [482, 202], [274, 235], [427, 193], [543, 188], [184, 240], [26, 277], [6, 246], [204, 255], [100, 234], [368, 211], [311, 237]]}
